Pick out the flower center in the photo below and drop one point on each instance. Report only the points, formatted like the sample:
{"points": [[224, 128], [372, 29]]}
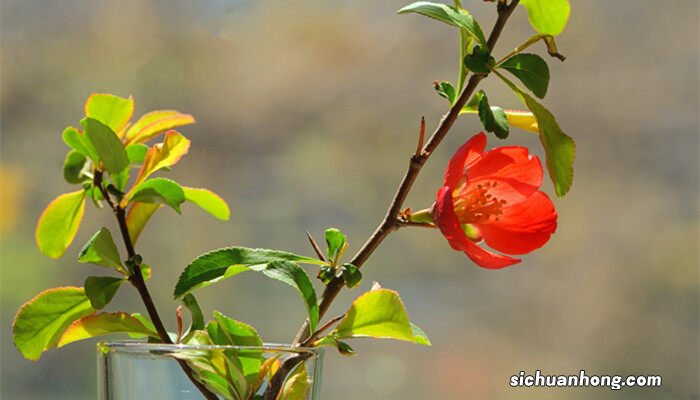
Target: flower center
{"points": [[474, 204]]}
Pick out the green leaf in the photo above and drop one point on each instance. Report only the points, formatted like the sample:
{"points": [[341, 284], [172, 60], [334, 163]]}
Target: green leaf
{"points": [[79, 142], [155, 123], [73, 167], [159, 191], [449, 15], [163, 155], [342, 347], [197, 317], [112, 111], [559, 148], [59, 223], [446, 90], [419, 335], [41, 322], [229, 332], [295, 276], [351, 275], [377, 314], [297, 385], [147, 323], [208, 201], [101, 250], [532, 71], [136, 153], [493, 119], [104, 324], [335, 240], [479, 61], [110, 150], [227, 262], [101, 289], [138, 216], [548, 16]]}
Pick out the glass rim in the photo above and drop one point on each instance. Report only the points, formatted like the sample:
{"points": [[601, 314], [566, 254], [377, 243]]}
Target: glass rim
{"points": [[136, 346]]}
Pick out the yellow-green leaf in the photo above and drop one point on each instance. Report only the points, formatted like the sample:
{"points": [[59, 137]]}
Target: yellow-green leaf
{"points": [[101, 250], [155, 123], [110, 150], [111, 110], [297, 385], [208, 201], [559, 148], [548, 16], [103, 324], [41, 322], [377, 314], [137, 218], [59, 223], [163, 155], [77, 141], [158, 191]]}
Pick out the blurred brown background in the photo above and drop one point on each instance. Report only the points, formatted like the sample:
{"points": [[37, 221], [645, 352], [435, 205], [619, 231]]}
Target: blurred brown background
{"points": [[307, 112]]}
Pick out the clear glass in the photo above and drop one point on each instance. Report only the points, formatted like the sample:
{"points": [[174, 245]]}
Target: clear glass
{"points": [[144, 371]]}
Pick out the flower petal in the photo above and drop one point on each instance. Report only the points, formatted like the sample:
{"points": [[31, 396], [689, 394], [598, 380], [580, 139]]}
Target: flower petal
{"points": [[518, 173], [466, 155], [446, 220], [523, 227]]}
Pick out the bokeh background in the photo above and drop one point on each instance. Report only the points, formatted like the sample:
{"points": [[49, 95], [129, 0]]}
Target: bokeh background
{"points": [[307, 112]]}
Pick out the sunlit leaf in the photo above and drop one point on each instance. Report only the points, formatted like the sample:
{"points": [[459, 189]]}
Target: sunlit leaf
{"points": [[110, 150], [548, 16], [559, 148], [532, 71], [41, 322], [155, 123], [101, 290], [297, 385], [111, 110], [73, 167], [59, 223], [136, 153], [449, 15], [101, 250], [335, 240], [227, 262], [208, 201], [523, 119], [104, 324], [158, 191], [163, 155], [138, 216], [377, 314], [79, 142]]}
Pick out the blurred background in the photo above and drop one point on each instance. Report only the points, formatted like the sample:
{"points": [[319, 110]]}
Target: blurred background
{"points": [[307, 113]]}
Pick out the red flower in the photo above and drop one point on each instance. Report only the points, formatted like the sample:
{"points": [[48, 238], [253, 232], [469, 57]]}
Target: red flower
{"points": [[494, 195]]}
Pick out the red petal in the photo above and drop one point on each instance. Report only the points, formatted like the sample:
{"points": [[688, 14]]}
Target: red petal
{"points": [[446, 220], [466, 155], [523, 227], [518, 173]]}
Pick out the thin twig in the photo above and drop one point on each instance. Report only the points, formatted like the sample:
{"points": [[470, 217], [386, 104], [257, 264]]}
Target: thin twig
{"points": [[317, 249], [309, 341], [421, 137]]}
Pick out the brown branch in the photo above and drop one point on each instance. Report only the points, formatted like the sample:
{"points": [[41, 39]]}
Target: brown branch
{"points": [[136, 279], [391, 222], [317, 249]]}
